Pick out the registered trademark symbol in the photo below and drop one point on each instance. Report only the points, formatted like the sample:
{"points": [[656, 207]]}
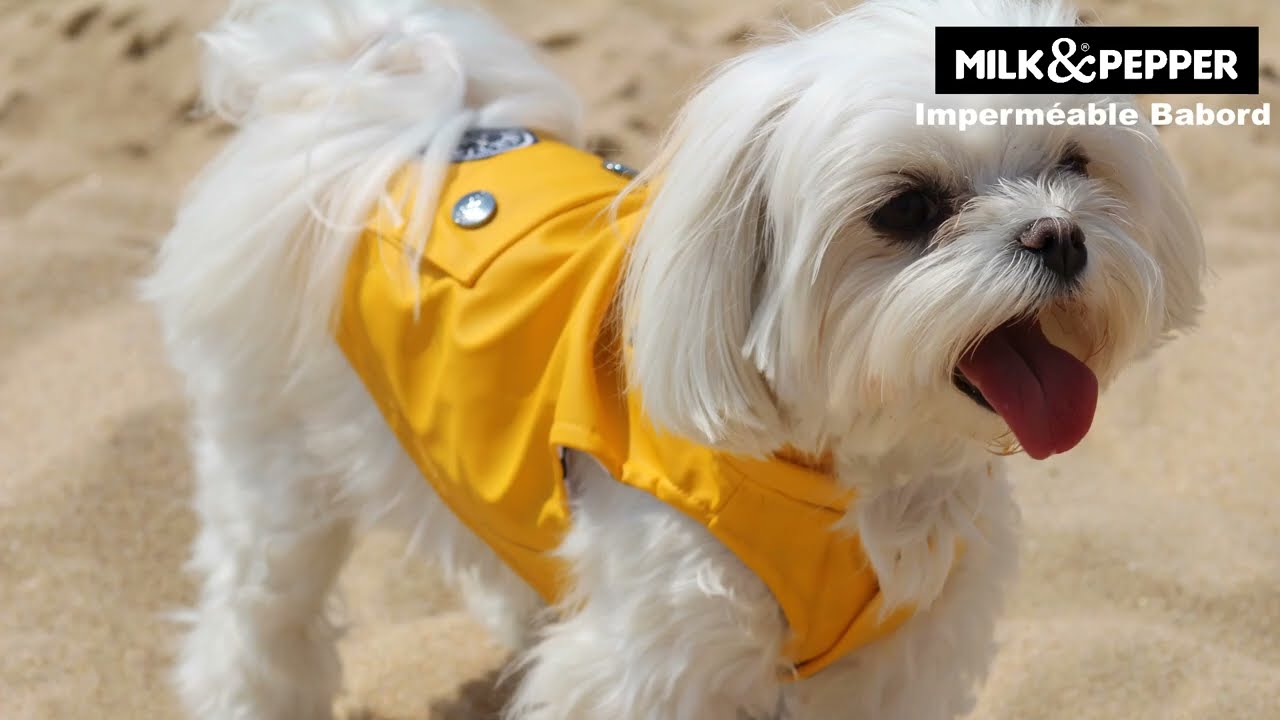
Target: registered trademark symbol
{"points": [[1085, 47]]}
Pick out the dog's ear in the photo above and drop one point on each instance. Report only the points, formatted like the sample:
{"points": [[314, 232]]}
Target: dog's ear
{"points": [[1176, 242], [701, 261], [1160, 202]]}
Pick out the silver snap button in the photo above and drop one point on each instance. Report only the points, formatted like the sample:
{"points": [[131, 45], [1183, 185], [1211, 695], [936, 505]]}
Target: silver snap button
{"points": [[619, 168], [475, 210]]}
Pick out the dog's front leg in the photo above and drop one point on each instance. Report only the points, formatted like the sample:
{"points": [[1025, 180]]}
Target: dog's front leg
{"points": [[945, 545], [666, 624]]}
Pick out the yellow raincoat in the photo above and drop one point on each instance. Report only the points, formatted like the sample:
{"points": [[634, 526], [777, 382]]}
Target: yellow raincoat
{"points": [[515, 353]]}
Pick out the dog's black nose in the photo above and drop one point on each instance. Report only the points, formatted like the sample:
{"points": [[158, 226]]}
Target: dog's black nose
{"points": [[1060, 245]]}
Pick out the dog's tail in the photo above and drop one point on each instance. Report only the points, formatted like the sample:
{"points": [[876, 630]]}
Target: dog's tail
{"points": [[331, 98]]}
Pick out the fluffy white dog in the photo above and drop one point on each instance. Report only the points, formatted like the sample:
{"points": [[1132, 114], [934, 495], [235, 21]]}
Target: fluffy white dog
{"points": [[813, 271]]}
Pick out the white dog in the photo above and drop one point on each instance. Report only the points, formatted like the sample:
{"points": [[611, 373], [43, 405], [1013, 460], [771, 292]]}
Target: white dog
{"points": [[812, 271]]}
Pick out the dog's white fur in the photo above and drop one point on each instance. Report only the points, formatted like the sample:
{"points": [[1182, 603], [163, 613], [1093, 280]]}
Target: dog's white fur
{"points": [[762, 310]]}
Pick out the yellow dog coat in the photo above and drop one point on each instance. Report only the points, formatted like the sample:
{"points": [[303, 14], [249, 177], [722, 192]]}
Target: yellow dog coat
{"points": [[514, 353]]}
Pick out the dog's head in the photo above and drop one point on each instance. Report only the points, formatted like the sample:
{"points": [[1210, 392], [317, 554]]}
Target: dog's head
{"points": [[817, 268]]}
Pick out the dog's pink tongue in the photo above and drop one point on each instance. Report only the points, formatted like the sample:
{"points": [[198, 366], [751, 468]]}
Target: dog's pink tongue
{"points": [[1043, 392]]}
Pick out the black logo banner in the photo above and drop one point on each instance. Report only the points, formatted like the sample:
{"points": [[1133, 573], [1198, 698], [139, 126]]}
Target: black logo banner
{"points": [[1096, 59]]}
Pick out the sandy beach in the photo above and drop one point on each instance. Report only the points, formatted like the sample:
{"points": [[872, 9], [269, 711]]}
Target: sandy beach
{"points": [[1150, 587]]}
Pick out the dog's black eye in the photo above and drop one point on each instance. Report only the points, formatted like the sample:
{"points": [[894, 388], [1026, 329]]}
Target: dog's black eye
{"points": [[908, 212], [1075, 161]]}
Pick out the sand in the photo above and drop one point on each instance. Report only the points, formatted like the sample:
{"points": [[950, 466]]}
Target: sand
{"points": [[1151, 578]]}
